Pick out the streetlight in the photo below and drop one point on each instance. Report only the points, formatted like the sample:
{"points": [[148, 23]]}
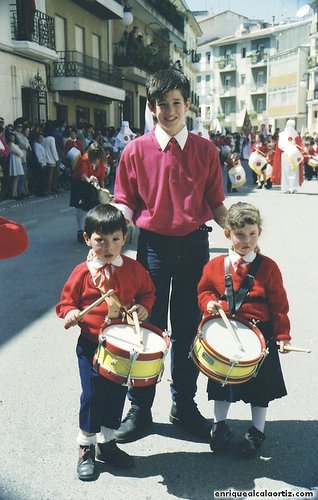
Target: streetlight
{"points": [[128, 18]]}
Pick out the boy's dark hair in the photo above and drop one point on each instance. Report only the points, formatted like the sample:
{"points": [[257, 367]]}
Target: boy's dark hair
{"points": [[164, 81], [105, 219]]}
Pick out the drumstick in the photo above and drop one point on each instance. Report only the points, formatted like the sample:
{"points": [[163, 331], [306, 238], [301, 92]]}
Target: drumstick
{"points": [[230, 327], [260, 152], [92, 305], [288, 347], [137, 327]]}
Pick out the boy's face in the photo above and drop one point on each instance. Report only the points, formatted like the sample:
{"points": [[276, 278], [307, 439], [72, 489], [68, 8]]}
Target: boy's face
{"points": [[106, 246], [170, 111], [244, 239]]}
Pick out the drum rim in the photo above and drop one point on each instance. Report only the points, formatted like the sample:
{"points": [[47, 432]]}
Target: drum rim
{"points": [[239, 319], [219, 378], [142, 356]]}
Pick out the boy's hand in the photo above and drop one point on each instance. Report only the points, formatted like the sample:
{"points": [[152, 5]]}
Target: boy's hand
{"points": [[71, 319], [213, 307], [142, 312]]}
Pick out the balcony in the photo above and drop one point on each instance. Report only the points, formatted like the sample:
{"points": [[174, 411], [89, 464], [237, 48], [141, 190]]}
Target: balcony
{"points": [[140, 56], [33, 32], [258, 58], [259, 89], [227, 64], [77, 72], [103, 9]]}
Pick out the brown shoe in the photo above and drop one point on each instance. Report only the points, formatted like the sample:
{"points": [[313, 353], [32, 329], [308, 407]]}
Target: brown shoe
{"points": [[112, 455], [86, 463]]}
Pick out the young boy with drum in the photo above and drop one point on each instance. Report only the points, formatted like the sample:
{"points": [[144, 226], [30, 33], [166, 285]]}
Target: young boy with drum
{"points": [[262, 302], [102, 400]]}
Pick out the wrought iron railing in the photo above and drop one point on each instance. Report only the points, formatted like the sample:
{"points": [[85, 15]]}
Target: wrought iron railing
{"points": [[31, 25], [76, 64]]}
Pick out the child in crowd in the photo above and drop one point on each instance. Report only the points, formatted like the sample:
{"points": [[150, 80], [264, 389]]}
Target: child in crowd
{"points": [[102, 400], [265, 304]]}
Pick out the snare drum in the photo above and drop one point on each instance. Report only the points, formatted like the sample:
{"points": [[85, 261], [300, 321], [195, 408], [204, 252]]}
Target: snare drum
{"points": [[294, 156], [122, 358], [73, 157], [257, 162], [217, 353], [237, 176], [313, 161]]}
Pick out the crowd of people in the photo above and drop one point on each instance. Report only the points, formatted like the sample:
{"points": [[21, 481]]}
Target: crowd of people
{"points": [[39, 159]]}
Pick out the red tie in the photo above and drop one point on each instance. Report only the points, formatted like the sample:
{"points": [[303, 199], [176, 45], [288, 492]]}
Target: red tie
{"points": [[239, 267]]}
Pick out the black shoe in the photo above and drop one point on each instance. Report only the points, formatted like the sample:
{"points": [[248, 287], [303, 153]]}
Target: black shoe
{"points": [[86, 463], [190, 419], [260, 185], [112, 455], [220, 436], [133, 425], [251, 443], [80, 238]]}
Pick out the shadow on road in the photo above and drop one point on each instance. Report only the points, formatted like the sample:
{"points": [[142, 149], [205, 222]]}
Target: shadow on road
{"points": [[288, 455]]}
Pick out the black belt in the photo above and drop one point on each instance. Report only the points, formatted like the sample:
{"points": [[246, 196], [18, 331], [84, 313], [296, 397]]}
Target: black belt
{"points": [[205, 228]]}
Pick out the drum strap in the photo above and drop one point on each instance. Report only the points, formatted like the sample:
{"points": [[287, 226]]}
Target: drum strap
{"points": [[236, 299]]}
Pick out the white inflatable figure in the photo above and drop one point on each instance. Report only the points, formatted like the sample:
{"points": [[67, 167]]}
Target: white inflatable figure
{"points": [[199, 128], [124, 136]]}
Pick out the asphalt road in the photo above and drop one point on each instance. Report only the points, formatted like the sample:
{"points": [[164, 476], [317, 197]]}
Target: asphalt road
{"points": [[39, 388]]}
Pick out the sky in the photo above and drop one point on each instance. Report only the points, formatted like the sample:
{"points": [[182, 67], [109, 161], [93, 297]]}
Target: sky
{"points": [[254, 9]]}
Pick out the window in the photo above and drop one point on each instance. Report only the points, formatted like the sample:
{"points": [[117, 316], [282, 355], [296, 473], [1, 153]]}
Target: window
{"points": [[82, 115], [227, 83], [208, 113], [208, 57], [243, 79], [243, 53]]}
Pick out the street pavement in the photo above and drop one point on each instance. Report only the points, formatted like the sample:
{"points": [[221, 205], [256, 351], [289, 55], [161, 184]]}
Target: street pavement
{"points": [[39, 388]]}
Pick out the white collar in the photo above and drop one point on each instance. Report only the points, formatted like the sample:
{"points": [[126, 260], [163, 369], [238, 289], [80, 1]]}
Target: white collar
{"points": [[97, 263], [163, 138], [235, 257]]}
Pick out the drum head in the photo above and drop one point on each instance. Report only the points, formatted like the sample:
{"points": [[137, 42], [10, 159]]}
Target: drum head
{"points": [[125, 337], [223, 342]]}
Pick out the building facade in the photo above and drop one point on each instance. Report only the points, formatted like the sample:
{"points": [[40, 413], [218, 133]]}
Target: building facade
{"points": [[257, 68], [70, 60]]}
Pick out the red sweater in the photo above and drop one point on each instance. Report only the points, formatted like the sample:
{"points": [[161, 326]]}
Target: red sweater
{"points": [[130, 282], [171, 192], [268, 285]]}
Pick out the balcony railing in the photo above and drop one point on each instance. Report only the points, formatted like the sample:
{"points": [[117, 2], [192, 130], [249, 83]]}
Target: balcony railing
{"points": [[140, 56], [76, 64], [258, 57], [227, 63], [31, 25]]}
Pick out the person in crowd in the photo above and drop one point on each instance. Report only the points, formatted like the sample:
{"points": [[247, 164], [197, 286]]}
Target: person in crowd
{"points": [[264, 303], [73, 142], [15, 165], [288, 159], [260, 146], [88, 173], [169, 182], [39, 165], [102, 400], [52, 160], [21, 133]]}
